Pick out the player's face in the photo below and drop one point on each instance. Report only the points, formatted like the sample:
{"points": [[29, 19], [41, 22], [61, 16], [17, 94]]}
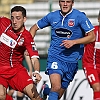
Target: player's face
{"points": [[65, 6], [17, 21]]}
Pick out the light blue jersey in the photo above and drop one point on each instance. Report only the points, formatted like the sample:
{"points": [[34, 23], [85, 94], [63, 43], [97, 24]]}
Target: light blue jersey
{"points": [[72, 26]]}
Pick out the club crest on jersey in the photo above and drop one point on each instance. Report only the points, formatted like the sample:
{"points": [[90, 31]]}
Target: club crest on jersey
{"points": [[71, 22], [62, 32], [21, 41]]}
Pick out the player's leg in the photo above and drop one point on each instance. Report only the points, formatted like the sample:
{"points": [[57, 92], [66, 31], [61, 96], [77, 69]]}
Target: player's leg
{"points": [[55, 73], [96, 91], [61, 92], [93, 79], [31, 91], [24, 83], [20, 95], [45, 91], [3, 89], [68, 74], [55, 80], [10, 91], [2, 92]]}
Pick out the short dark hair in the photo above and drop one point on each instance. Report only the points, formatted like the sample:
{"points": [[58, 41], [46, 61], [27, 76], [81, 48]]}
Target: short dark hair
{"points": [[19, 8], [72, 0]]}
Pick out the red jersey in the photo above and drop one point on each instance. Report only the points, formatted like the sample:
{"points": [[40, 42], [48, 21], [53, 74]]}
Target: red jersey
{"points": [[10, 58], [91, 54]]}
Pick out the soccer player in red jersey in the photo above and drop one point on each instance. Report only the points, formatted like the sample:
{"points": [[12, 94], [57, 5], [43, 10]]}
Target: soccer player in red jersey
{"points": [[91, 62], [14, 40]]}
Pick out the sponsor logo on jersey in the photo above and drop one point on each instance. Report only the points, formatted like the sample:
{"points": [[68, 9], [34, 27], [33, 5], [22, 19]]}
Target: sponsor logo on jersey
{"points": [[71, 22], [61, 32], [21, 41], [8, 40]]}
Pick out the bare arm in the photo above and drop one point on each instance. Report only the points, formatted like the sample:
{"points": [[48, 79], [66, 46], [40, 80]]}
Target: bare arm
{"points": [[87, 39], [36, 66], [29, 63], [33, 63], [33, 30]]}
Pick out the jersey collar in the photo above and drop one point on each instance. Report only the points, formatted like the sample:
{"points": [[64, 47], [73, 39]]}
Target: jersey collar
{"points": [[67, 13]]}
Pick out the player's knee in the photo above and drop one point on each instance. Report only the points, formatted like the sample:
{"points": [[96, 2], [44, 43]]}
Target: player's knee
{"points": [[38, 98], [31, 91], [97, 89], [35, 93], [2, 97], [55, 88]]}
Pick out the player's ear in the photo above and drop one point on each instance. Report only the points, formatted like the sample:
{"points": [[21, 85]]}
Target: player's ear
{"points": [[25, 19]]}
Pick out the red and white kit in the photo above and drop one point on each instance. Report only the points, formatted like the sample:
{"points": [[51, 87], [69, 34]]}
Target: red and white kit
{"points": [[91, 58], [12, 47]]}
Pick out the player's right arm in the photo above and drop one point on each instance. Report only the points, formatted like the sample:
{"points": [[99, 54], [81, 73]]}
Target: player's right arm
{"points": [[33, 30], [5, 24]]}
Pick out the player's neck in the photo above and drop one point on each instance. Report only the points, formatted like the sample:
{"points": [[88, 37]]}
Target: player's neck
{"points": [[21, 29]]}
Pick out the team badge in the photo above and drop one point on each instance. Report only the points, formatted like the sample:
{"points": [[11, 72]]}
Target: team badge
{"points": [[71, 22], [21, 41]]}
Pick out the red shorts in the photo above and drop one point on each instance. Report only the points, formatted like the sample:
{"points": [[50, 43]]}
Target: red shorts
{"points": [[92, 74], [19, 81]]}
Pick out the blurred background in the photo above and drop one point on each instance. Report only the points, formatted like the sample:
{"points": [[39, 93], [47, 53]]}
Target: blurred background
{"points": [[36, 9]]}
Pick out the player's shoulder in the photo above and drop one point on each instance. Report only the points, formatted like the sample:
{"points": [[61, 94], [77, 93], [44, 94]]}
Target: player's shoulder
{"points": [[54, 13], [5, 21], [78, 12], [26, 33]]}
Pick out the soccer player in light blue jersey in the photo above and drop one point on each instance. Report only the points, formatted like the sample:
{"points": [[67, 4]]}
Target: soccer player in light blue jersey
{"points": [[70, 30]]}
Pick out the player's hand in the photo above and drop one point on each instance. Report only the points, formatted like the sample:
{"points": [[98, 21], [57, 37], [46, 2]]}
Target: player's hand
{"points": [[36, 77], [68, 43]]}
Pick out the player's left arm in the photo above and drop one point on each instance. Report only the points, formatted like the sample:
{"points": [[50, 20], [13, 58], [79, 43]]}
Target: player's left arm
{"points": [[34, 56], [29, 63], [90, 37], [36, 74]]}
